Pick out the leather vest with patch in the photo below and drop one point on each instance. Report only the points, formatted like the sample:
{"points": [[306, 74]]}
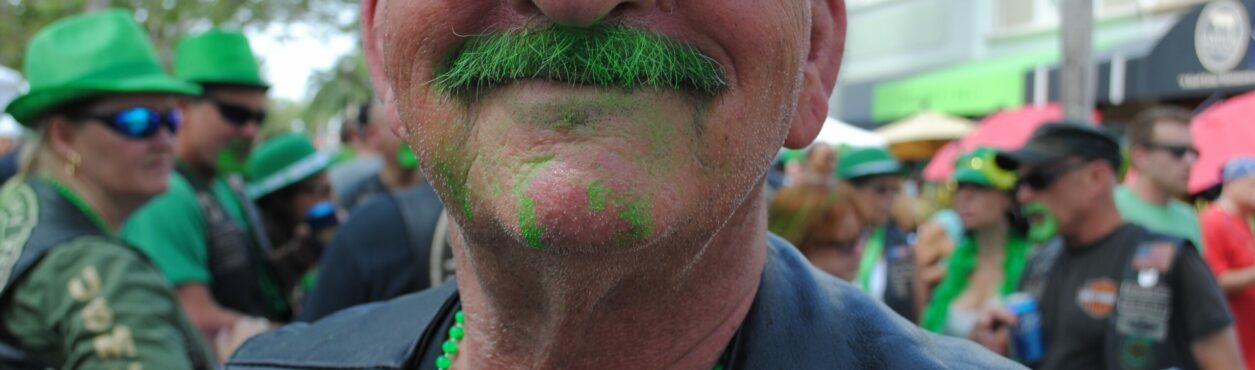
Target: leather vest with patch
{"points": [[233, 260], [1136, 334], [34, 220]]}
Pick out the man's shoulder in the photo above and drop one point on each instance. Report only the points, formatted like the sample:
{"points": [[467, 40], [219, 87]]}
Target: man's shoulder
{"points": [[380, 335], [798, 301]]}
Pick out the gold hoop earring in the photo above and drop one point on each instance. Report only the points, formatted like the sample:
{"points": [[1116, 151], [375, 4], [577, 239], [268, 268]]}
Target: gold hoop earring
{"points": [[76, 161]]}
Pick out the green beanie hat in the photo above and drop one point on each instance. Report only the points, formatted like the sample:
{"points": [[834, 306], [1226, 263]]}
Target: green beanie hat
{"points": [[978, 167], [281, 161], [90, 55], [863, 162], [217, 56]]}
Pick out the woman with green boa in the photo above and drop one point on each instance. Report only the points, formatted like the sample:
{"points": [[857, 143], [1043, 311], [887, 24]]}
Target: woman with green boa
{"points": [[987, 263], [72, 294]]}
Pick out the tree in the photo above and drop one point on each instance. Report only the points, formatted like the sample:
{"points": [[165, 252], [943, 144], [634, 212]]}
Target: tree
{"points": [[169, 20], [337, 91]]}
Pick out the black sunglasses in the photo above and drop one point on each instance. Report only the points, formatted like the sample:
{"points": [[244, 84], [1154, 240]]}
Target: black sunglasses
{"points": [[136, 122], [1042, 179], [1177, 151], [238, 115]]}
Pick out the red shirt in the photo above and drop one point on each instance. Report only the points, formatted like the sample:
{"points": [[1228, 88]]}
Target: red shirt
{"points": [[1231, 246]]}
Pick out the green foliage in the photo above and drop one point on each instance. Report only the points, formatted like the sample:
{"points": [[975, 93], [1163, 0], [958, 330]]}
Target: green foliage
{"points": [[604, 56], [167, 20], [338, 91]]}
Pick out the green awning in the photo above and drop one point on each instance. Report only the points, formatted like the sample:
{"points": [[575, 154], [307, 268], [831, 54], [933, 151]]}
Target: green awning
{"points": [[972, 89]]}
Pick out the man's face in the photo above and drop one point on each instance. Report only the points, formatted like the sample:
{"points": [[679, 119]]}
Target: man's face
{"points": [[1167, 159], [1063, 187], [222, 120], [572, 167], [875, 197]]}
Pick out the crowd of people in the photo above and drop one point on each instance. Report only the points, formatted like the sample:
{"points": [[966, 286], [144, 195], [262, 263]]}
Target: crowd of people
{"points": [[147, 223], [180, 231], [1121, 270]]}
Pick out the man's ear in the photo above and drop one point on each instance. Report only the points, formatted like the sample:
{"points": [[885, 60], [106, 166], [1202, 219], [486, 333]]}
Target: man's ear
{"points": [[1137, 155], [827, 46], [372, 45]]}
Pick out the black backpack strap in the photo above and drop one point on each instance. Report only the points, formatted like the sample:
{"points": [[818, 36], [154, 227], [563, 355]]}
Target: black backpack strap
{"points": [[421, 223]]}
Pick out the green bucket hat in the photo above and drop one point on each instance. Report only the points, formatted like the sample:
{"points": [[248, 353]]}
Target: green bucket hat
{"points": [[89, 55], [217, 56], [978, 167], [854, 163], [284, 160]]}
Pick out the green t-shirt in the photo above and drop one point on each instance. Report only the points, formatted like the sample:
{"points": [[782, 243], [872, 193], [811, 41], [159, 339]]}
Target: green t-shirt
{"points": [[89, 304], [1175, 218], [170, 230]]}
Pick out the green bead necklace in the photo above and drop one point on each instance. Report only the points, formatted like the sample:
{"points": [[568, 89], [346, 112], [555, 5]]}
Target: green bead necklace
{"points": [[457, 332], [81, 204]]}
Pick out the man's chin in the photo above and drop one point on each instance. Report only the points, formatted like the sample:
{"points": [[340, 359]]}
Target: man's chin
{"points": [[598, 207]]}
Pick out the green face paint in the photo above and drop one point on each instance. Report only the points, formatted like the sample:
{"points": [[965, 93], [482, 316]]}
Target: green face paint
{"points": [[530, 229], [406, 157], [638, 216], [602, 56], [458, 189], [597, 196], [232, 157]]}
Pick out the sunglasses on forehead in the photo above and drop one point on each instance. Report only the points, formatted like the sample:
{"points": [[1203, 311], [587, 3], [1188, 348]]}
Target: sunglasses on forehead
{"points": [[1177, 151], [136, 122], [238, 115]]}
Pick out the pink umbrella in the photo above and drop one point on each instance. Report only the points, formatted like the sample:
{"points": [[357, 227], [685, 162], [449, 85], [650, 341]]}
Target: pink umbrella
{"points": [[1221, 132], [1005, 130]]}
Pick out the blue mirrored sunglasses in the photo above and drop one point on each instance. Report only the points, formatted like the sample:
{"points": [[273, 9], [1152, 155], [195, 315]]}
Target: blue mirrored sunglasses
{"points": [[139, 122]]}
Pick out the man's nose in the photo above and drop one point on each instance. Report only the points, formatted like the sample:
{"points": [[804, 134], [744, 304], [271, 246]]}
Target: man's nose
{"points": [[581, 13]]}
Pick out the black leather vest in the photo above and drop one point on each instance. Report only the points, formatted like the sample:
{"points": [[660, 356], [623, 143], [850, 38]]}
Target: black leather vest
{"points": [[233, 257], [37, 219]]}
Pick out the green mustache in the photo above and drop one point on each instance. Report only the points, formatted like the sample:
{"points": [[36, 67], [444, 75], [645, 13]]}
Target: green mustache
{"points": [[603, 56]]}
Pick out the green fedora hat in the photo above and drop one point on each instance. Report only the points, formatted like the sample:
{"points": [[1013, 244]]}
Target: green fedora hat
{"points": [[281, 161], [219, 57], [863, 162], [88, 55], [978, 167]]}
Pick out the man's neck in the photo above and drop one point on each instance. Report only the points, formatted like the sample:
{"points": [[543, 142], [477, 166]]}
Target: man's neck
{"points": [[394, 177], [665, 306], [1148, 191], [1101, 222], [201, 170]]}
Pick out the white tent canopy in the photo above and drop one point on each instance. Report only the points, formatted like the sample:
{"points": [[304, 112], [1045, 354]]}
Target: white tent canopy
{"points": [[10, 86], [926, 126], [837, 133]]}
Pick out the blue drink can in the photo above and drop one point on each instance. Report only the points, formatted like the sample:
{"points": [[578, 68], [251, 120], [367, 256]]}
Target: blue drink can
{"points": [[1026, 338]]}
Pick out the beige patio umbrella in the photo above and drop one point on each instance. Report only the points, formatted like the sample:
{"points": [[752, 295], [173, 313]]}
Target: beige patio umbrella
{"points": [[919, 136]]}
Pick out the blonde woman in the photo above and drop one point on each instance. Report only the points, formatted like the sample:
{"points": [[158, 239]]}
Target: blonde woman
{"points": [[74, 295]]}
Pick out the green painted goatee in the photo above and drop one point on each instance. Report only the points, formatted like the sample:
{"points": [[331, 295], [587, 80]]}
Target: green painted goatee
{"points": [[605, 56]]}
